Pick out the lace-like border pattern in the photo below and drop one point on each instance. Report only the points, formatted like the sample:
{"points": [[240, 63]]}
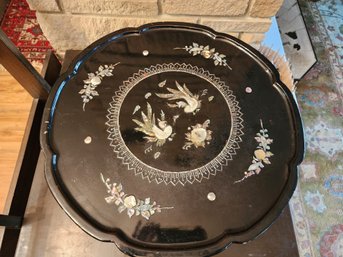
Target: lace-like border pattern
{"points": [[169, 177]]}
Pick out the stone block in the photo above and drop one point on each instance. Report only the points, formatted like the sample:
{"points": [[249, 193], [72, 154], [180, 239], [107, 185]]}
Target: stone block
{"points": [[237, 25], [44, 6], [265, 8], [67, 31], [205, 7], [234, 34], [252, 38], [112, 7]]}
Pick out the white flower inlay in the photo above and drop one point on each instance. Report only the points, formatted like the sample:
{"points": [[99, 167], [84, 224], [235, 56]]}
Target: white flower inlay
{"points": [[261, 154], [206, 52], [198, 136], [94, 80], [130, 203]]}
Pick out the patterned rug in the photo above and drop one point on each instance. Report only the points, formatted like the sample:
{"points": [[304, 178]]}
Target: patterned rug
{"points": [[20, 25], [317, 205]]}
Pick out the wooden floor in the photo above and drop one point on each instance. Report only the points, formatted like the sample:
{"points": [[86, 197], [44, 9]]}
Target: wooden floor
{"points": [[15, 104]]}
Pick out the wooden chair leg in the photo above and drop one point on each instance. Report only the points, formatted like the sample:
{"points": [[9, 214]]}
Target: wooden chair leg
{"points": [[16, 64], [22, 185], [39, 88]]}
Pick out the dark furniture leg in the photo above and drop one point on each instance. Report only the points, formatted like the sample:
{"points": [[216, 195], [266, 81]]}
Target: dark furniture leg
{"points": [[20, 68], [3, 8], [11, 221], [23, 186], [38, 87]]}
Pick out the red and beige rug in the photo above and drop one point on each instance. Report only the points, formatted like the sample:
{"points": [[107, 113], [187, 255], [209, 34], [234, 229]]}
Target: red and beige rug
{"points": [[21, 26]]}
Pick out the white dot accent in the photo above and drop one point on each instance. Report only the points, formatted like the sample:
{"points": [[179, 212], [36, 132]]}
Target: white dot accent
{"points": [[88, 140], [211, 196], [248, 90], [145, 52]]}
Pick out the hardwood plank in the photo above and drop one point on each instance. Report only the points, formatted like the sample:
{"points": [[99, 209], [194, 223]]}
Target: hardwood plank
{"points": [[15, 105]]}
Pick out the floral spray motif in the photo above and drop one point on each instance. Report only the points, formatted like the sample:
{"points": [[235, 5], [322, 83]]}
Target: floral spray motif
{"points": [[130, 203], [155, 132], [94, 80], [198, 136], [261, 154], [207, 53]]}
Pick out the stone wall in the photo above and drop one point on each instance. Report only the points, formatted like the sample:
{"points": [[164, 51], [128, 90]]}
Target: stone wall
{"points": [[74, 24]]}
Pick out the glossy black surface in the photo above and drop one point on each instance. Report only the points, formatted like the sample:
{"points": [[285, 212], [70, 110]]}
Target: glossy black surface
{"points": [[171, 158], [176, 177]]}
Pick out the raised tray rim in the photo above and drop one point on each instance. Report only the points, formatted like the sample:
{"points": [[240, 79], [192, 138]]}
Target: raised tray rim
{"points": [[123, 243]]}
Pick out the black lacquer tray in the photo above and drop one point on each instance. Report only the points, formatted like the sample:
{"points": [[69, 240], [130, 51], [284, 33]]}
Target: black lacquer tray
{"points": [[171, 139]]}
